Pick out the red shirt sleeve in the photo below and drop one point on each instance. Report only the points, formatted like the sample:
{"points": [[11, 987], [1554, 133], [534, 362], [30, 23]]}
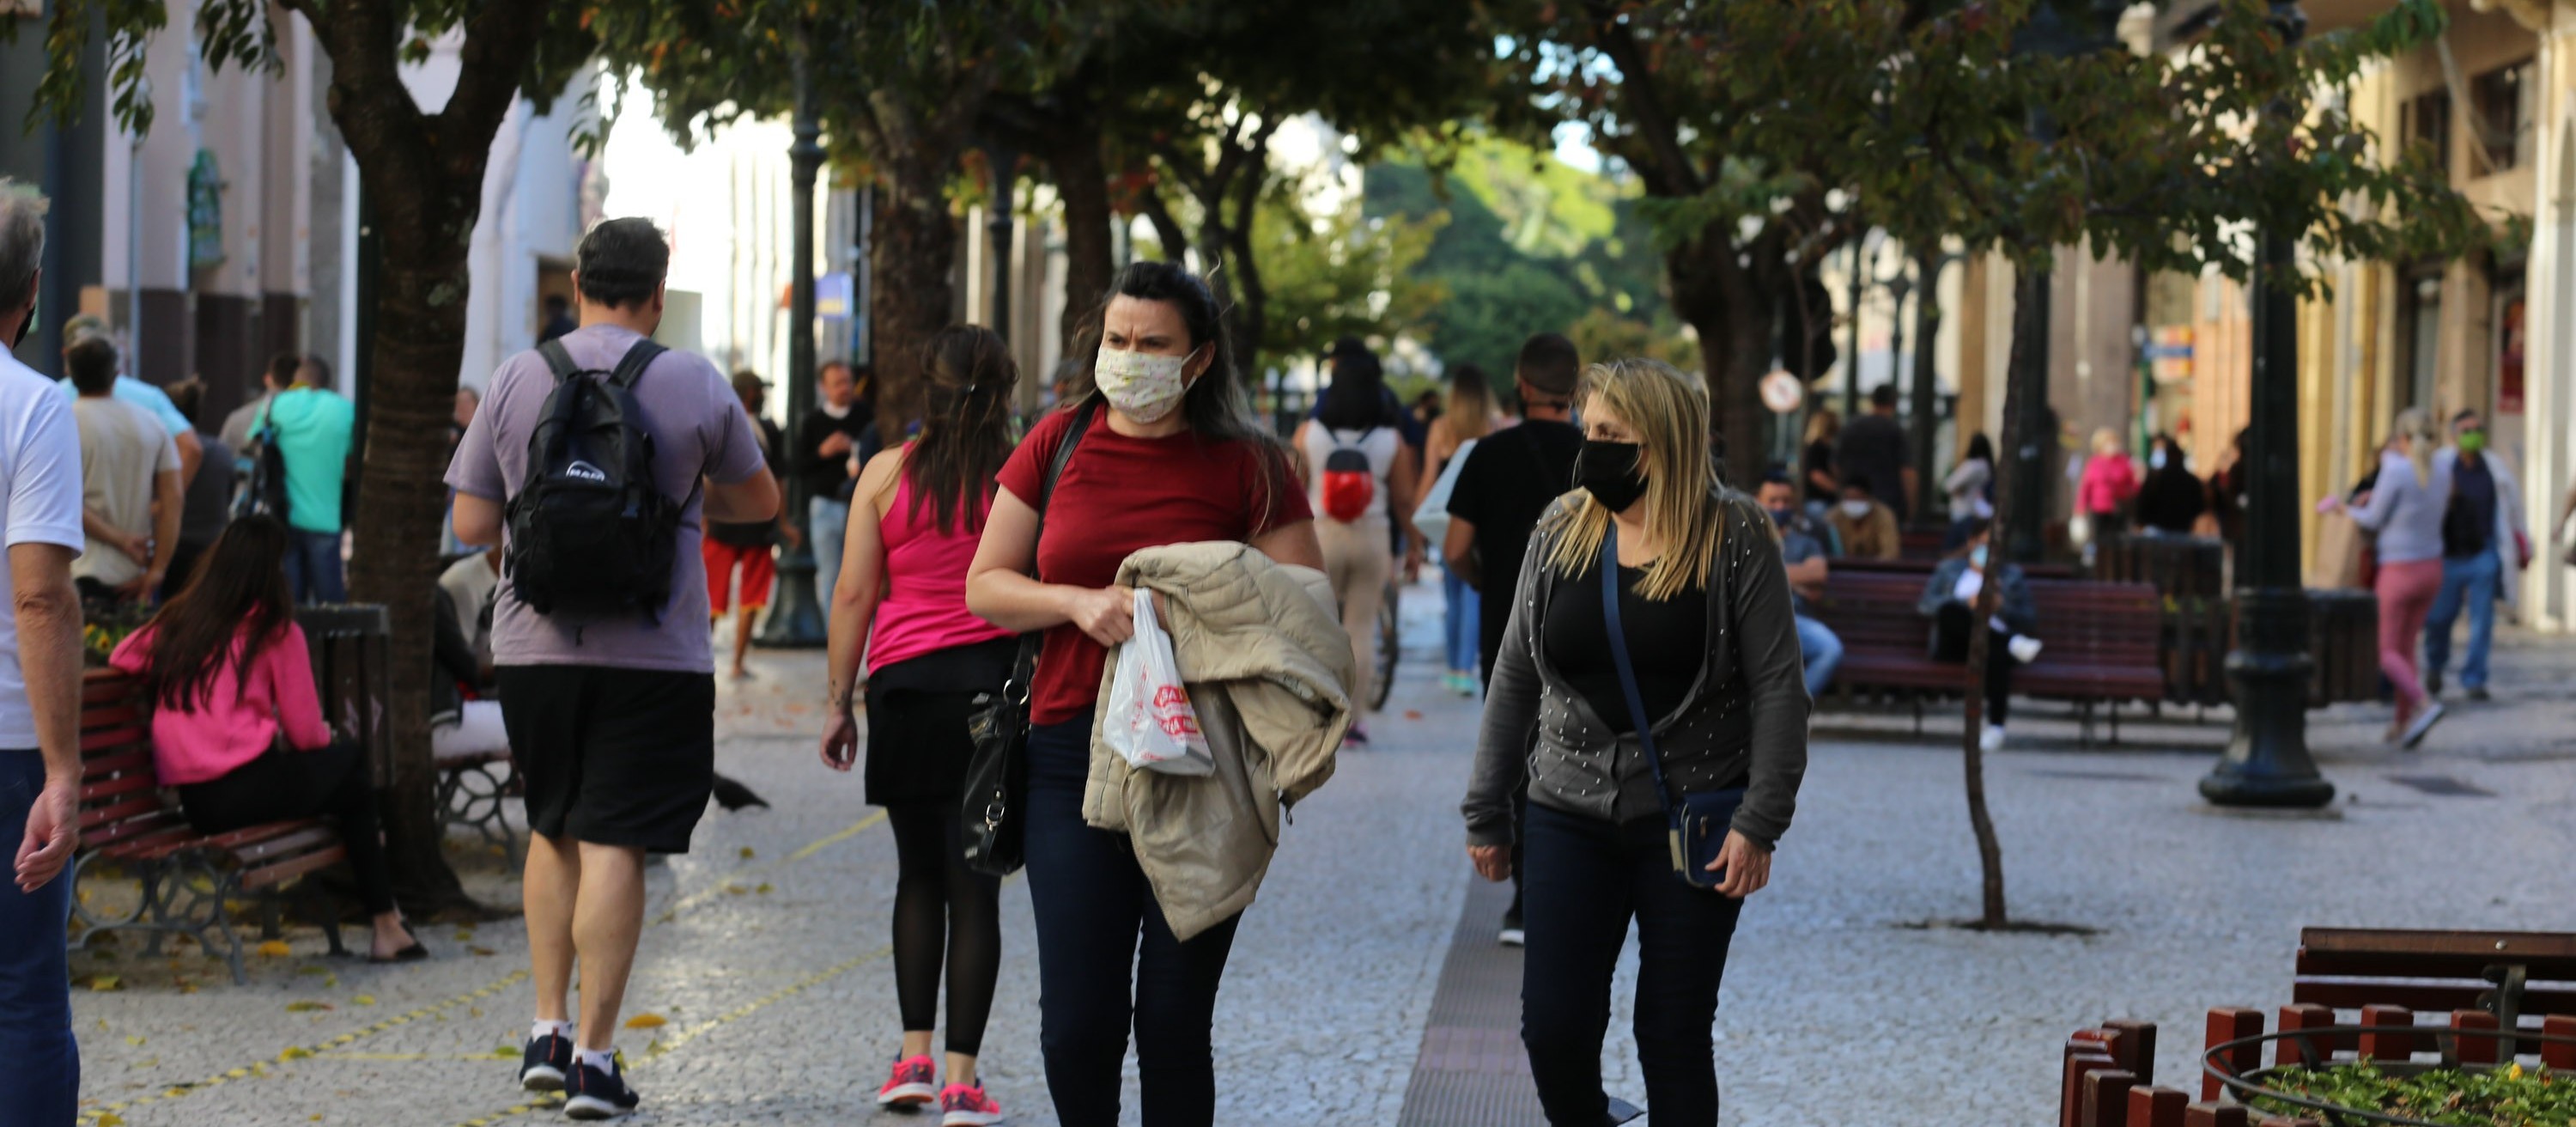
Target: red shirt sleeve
{"points": [[289, 673], [1025, 473], [1270, 492]]}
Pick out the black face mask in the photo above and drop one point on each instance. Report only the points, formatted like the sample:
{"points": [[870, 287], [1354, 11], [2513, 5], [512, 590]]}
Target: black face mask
{"points": [[1611, 473]]}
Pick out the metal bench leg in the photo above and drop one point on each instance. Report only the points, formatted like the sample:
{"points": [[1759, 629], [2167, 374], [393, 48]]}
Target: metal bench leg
{"points": [[2085, 709], [326, 913], [272, 925]]}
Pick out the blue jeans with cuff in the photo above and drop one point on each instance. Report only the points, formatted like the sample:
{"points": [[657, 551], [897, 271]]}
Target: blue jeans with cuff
{"points": [[39, 1062], [1822, 650], [2472, 581]]}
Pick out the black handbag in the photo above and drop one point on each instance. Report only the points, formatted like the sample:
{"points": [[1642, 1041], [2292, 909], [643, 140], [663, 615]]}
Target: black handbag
{"points": [[1695, 824], [995, 806]]}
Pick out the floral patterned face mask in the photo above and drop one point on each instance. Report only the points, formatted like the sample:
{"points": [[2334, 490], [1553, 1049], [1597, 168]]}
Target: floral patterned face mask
{"points": [[1144, 386]]}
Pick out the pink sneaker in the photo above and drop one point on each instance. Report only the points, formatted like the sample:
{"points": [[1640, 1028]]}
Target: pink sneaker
{"points": [[968, 1107], [910, 1086]]}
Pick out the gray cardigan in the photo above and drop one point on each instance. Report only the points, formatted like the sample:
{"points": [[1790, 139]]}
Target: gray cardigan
{"points": [[1747, 712], [2406, 513]]}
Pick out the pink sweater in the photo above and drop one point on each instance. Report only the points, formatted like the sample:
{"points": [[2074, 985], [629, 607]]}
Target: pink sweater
{"points": [[2109, 482], [239, 720]]}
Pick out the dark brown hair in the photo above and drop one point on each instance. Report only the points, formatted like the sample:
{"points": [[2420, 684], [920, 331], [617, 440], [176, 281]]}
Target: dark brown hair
{"points": [[967, 375], [238, 587]]}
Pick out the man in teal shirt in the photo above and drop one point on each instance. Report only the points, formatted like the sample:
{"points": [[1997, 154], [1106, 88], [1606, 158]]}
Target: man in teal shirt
{"points": [[312, 429]]}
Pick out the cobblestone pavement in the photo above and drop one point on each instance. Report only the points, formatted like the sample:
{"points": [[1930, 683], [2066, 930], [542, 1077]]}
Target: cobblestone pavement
{"points": [[765, 960]]}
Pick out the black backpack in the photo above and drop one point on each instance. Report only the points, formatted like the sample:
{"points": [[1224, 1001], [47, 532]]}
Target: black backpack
{"points": [[590, 533], [260, 486]]}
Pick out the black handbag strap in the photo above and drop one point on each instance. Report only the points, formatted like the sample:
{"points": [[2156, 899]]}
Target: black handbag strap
{"points": [[1619, 659], [1025, 667]]}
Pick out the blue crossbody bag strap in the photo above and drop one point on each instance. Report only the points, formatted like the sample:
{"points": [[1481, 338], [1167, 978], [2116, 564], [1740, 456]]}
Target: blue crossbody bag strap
{"points": [[1645, 724]]}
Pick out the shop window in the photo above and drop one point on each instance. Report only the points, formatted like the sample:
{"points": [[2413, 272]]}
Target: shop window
{"points": [[2426, 120], [2504, 100]]}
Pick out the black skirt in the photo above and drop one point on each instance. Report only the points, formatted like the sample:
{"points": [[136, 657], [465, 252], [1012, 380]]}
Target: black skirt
{"points": [[917, 712]]}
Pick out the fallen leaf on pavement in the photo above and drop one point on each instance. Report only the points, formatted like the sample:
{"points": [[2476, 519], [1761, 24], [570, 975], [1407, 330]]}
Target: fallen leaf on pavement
{"points": [[647, 1021], [306, 1007], [276, 949]]}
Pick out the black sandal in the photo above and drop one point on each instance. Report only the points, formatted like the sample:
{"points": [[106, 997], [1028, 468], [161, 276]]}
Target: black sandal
{"points": [[412, 954]]}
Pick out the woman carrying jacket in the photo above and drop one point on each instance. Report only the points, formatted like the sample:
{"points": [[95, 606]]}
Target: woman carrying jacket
{"points": [[916, 514], [2404, 507], [1170, 453], [1950, 600], [1705, 609]]}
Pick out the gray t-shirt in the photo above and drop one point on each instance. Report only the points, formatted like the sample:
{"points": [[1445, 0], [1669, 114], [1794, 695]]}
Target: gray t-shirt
{"points": [[123, 453], [698, 429]]}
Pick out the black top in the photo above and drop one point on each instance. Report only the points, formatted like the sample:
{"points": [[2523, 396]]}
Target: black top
{"points": [[1508, 482], [758, 533], [2171, 500], [1667, 642], [1874, 446], [829, 477], [2468, 525], [1819, 456]]}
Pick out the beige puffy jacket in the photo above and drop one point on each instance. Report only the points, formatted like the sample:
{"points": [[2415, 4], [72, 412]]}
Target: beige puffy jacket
{"points": [[1262, 650]]}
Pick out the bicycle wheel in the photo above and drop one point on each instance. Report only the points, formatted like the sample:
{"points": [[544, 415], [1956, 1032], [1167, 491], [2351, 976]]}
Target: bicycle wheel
{"points": [[1388, 637]]}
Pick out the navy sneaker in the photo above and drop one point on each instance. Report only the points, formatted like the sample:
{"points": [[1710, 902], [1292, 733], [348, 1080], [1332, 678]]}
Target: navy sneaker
{"points": [[594, 1094], [547, 1061]]}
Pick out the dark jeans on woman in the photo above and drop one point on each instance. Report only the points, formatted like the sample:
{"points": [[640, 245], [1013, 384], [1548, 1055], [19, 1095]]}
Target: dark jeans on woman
{"points": [[283, 785], [1093, 905], [1952, 631], [39, 1063], [1584, 879], [943, 907]]}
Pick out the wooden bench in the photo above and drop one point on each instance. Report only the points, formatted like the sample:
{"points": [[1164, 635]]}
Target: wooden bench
{"points": [[2101, 643], [352, 671], [185, 880], [2513, 976]]}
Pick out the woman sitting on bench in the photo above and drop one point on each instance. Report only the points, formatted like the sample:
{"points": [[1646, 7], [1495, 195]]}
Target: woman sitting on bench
{"points": [[237, 727], [1949, 600]]}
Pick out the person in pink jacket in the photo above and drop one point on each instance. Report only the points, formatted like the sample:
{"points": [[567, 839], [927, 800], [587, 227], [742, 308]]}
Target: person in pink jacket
{"points": [[237, 726], [2110, 483]]}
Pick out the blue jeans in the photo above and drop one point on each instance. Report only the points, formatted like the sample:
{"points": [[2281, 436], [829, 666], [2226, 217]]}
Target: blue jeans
{"points": [[826, 522], [2473, 579], [1094, 983], [313, 567], [1584, 880], [39, 1062], [1824, 653], [1465, 620]]}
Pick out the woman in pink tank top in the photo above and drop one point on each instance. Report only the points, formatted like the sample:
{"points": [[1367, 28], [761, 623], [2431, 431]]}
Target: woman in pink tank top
{"points": [[916, 515]]}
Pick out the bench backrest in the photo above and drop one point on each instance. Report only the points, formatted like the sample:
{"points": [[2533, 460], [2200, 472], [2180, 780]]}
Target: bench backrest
{"points": [[120, 794], [2092, 623], [1874, 611], [2432, 971]]}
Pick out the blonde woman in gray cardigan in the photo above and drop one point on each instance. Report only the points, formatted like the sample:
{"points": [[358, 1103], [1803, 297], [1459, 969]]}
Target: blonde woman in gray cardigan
{"points": [[1705, 612], [2404, 510]]}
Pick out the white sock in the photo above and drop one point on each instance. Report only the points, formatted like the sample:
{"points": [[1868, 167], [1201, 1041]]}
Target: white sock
{"points": [[544, 1028], [604, 1060]]}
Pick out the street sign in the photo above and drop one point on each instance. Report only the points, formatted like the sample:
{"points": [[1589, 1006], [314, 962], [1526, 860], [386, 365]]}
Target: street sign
{"points": [[1782, 392], [832, 296]]}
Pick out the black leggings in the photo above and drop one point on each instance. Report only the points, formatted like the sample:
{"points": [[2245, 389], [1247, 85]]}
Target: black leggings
{"points": [[940, 905], [1956, 621], [284, 785]]}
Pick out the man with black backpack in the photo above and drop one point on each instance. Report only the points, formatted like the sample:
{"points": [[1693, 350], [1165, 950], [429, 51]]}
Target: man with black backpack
{"points": [[594, 462]]}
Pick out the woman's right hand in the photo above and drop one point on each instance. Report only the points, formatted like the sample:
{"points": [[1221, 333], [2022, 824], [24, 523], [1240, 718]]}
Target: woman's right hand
{"points": [[1493, 862], [841, 741], [1106, 615]]}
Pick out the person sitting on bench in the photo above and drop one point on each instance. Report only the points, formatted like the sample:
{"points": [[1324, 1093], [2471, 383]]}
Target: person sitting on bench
{"points": [[237, 724], [1949, 600]]}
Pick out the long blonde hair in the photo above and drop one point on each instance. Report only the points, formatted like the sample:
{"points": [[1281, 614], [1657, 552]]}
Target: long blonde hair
{"points": [[1669, 413], [1823, 425], [1471, 404], [2417, 423]]}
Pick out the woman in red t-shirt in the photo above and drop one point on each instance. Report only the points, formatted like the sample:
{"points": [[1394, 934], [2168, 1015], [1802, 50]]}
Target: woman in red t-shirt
{"points": [[1172, 455]]}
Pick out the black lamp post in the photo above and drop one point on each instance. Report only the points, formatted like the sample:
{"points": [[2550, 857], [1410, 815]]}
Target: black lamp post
{"points": [[795, 611], [2267, 762]]}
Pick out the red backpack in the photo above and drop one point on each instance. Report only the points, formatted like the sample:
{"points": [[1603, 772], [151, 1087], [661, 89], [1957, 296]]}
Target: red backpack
{"points": [[1350, 484]]}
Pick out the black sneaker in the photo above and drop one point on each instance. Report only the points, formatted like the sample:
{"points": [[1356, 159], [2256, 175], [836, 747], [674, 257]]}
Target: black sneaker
{"points": [[594, 1094], [546, 1063], [2433, 683], [2479, 695], [1512, 935]]}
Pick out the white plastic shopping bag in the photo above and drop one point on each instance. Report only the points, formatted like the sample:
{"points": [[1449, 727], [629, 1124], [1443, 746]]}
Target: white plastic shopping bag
{"points": [[1150, 722]]}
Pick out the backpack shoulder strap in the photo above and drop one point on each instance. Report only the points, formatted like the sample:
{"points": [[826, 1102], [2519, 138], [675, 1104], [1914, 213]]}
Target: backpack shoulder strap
{"points": [[630, 367], [558, 361]]}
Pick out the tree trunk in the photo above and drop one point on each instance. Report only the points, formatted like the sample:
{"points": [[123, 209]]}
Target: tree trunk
{"points": [[423, 180], [1733, 315], [1082, 181], [913, 256], [2019, 381]]}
